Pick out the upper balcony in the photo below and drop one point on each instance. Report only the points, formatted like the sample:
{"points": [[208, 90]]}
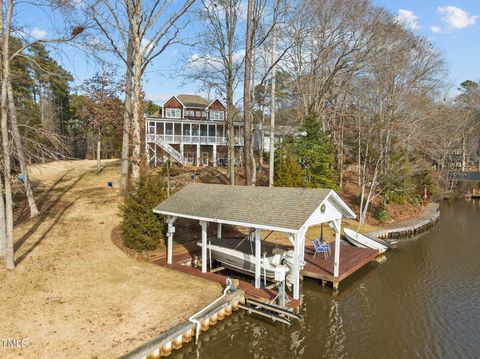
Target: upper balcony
{"points": [[190, 132]]}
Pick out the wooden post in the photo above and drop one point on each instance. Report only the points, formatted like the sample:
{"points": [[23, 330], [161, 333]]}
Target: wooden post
{"points": [[198, 155], [296, 268], [170, 232], [219, 230], [204, 246], [214, 155], [337, 226], [257, 258]]}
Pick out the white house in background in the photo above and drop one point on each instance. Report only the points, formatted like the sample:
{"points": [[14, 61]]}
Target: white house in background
{"points": [[190, 130], [281, 131]]}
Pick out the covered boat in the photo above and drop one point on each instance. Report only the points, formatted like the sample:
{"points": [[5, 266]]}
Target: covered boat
{"points": [[363, 241], [238, 254]]}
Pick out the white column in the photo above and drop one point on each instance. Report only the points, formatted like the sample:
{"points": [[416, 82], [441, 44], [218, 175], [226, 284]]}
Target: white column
{"points": [[170, 232], [296, 268], [198, 155], [204, 246], [181, 148], [219, 230], [258, 256], [336, 227], [302, 244], [214, 155]]}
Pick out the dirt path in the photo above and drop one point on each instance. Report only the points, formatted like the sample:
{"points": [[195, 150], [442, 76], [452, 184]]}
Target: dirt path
{"points": [[74, 293]]}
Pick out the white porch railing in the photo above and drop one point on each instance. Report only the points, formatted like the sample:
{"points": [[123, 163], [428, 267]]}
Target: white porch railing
{"points": [[192, 139]]}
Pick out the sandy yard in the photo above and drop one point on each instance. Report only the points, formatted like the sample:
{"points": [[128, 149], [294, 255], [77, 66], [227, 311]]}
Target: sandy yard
{"points": [[74, 293]]}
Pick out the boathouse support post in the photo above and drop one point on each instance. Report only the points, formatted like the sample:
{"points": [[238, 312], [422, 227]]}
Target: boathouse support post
{"points": [[219, 230], [296, 267], [336, 264], [258, 258], [170, 232], [204, 225]]}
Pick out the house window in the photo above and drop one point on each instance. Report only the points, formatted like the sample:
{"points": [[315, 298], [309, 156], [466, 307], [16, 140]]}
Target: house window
{"points": [[203, 130], [211, 130], [160, 128], [195, 130], [173, 113], [169, 128], [219, 130], [151, 127], [199, 113], [190, 113], [217, 115]]}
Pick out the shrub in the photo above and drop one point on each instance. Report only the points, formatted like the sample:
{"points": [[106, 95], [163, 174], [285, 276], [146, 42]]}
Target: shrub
{"points": [[381, 213], [142, 230], [288, 172]]}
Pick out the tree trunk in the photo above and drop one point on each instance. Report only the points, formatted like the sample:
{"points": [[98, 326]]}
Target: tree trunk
{"points": [[99, 149], [136, 116], [126, 119], [272, 100], [10, 261], [3, 234], [247, 111], [20, 153]]}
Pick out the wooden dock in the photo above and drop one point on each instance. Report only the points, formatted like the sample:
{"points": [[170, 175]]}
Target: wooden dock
{"points": [[317, 267], [351, 259]]}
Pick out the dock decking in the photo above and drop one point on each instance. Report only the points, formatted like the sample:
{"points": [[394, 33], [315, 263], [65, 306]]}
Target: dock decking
{"points": [[351, 259], [317, 267]]}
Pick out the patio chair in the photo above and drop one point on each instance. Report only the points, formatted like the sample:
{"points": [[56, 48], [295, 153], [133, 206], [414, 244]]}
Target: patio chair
{"points": [[321, 247]]}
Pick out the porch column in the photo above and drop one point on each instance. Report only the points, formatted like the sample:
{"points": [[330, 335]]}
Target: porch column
{"points": [[336, 227], [296, 267], [204, 246], [302, 244], [198, 155], [181, 148], [219, 230], [214, 155], [258, 257], [170, 232]]}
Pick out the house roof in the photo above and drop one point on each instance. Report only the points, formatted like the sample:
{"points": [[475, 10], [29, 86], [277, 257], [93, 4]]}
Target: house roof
{"points": [[465, 176], [194, 101], [272, 208]]}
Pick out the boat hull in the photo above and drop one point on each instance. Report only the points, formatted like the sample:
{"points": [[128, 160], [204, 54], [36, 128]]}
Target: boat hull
{"points": [[233, 254], [363, 241]]}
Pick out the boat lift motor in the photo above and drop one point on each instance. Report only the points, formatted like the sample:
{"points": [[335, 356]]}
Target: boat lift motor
{"points": [[280, 277]]}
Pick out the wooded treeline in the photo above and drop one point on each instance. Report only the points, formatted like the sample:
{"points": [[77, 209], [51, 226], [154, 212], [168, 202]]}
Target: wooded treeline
{"points": [[341, 87]]}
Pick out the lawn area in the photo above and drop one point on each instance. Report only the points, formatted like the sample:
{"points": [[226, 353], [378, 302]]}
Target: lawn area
{"points": [[74, 293]]}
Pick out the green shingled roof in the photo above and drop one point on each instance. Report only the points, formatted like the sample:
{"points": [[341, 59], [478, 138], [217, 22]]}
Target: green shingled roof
{"points": [[272, 207]]}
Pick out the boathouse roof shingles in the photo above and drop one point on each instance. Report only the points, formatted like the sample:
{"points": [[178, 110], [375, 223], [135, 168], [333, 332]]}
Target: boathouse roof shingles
{"points": [[274, 207]]}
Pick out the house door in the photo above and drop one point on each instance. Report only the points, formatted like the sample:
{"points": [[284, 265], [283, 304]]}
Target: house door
{"points": [[205, 158]]}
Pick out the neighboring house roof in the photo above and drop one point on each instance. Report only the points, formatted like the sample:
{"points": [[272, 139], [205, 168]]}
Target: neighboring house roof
{"points": [[273, 208], [217, 99], [465, 176], [193, 101]]}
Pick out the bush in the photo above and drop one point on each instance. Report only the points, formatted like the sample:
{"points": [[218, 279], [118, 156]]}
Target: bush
{"points": [[381, 213], [288, 172], [142, 230]]}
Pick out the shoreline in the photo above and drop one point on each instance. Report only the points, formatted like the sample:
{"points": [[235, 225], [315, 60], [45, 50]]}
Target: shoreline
{"points": [[412, 227]]}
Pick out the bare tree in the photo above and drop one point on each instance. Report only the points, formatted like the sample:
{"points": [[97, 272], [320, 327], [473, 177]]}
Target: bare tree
{"points": [[216, 63], [149, 29]]}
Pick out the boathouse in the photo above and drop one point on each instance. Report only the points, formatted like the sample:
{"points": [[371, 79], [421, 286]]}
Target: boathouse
{"points": [[288, 210]]}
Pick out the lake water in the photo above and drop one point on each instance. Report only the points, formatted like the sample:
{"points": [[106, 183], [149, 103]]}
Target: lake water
{"points": [[423, 302]]}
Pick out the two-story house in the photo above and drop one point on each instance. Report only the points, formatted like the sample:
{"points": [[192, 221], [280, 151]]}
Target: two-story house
{"points": [[190, 130]]}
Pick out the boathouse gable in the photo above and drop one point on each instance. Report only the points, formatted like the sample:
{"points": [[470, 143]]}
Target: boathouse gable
{"points": [[332, 208]]}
